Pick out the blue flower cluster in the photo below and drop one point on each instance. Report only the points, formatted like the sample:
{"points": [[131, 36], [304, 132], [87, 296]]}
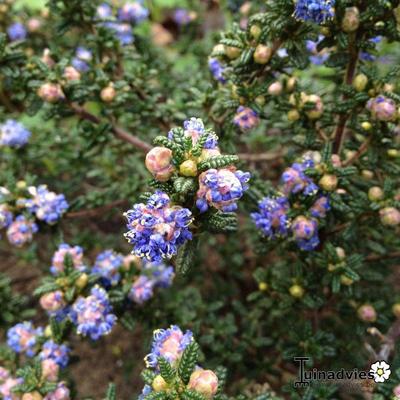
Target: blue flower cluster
{"points": [[92, 315], [56, 352], [47, 206], [82, 58], [272, 217], [13, 134], [169, 344], [221, 189], [317, 11], [132, 12], [17, 31], [23, 337], [182, 16], [152, 275], [273, 220], [217, 69], [294, 180], [107, 266], [157, 229]]}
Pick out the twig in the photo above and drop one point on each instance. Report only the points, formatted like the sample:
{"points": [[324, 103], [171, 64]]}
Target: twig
{"points": [[377, 257], [118, 132], [362, 149], [389, 342], [348, 80], [261, 156], [95, 211]]}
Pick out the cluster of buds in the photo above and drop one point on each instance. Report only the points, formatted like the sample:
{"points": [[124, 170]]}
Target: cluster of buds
{"points": [[176, 352], [311, 105], [19, 211], [192, 152]]}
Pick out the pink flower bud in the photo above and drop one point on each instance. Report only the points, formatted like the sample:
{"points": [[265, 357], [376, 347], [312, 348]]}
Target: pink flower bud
{"points": [[71, 74], [159, 163], [396, 391], [262, 54], [32, 396], [382, 108], [204, 382], [351, 19], [367, 313], [46, 58], [34, 24], [50, 370], [303, 228], [318, 109], [52, 301], [275, 89], [390, 216], [50, 92]]}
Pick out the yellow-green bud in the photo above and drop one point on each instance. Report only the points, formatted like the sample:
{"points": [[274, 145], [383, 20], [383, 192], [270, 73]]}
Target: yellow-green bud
{"points": [[393, 153], [255, 31], [47, 331], [82, 281], [21, 185], [296, 291], [293, 115], [351, 19], [345, 280], [275, 89], [262, 54], [360, 82], [188, 168], [396, 310], [232, 52], [375, 193], [318, 109], [366, 126], [328, 182], [32, 396], [159, 384], [263, 286], [340, 253], [367, 174], [260, 100], [291, 84]]}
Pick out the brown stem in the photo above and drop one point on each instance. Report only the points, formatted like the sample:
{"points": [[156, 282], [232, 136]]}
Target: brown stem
{"points": [[118, 132], [377, 257], [348, 80], [95, 211], [262, 156], [362, 149]]}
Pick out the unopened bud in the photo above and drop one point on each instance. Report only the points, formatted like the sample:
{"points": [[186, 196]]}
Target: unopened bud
{"points": [[204, 382], [375, 193], [389, 216], [396, 310], [367, 126], [188, 168], [255, 31], [159, 163], [291, 84], [275, 89], [159, 384], [262, 54], [232, 52], [50, 92], [263, 286], [293, 115], [360, 82], [82, 281], [345, 280], [340, 253], [318, 109], [351, 19], [32, 396], [367, 313], [108, 94], [328, 182], [296, 291]]}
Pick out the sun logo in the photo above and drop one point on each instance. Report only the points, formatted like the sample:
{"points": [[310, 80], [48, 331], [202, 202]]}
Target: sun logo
{"points": [[381, 371]]}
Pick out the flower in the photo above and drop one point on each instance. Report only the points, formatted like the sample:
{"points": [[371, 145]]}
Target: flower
{"points": [[93, 314], [161, 275], [6, 388], [107, 266], [217, 69], [22, 338], [194, 128], [6, 216], [21, 231], [317, 11], [294, 179], [146, 391], [272, 217], [61, 393], [317, 57], [48, 206], [382, 108], [204, 382], [17, 31], [246, 118], [52, 301], [141, 290], [381, 371], [182, 16], [82, 57], [133, 12], [4, 374], [123, 32], [169, 344], [55, 352], [159, 163], [320, 207], [13, 134], [157, 229], [221, 189], [305, 232], [75, 254], [50, 370], [104, 11]]}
